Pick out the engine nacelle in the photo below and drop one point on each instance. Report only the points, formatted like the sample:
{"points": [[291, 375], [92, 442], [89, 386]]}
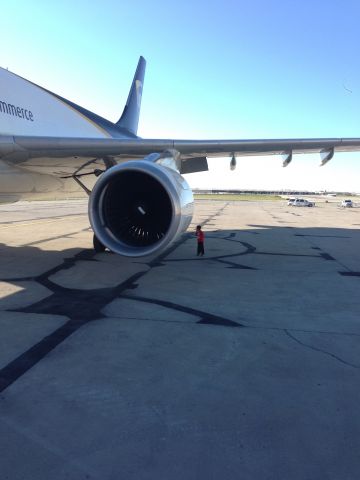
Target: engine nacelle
{"points": [[139, 208]]}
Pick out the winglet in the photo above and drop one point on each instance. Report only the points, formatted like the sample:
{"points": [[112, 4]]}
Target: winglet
{"points": [[130, 117]]}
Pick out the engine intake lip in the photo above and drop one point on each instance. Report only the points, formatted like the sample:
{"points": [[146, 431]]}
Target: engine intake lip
{"points": [[134, 208]]}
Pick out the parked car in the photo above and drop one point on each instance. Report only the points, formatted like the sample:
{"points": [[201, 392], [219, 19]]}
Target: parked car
{"points": [[302, 202], [347, 203]]}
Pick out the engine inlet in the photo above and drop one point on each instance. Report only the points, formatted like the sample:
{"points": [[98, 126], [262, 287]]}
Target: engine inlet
{"points": [[136, 209]]}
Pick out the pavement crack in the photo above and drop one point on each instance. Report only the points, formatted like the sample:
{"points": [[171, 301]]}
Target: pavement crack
{"points": [[332, 355]]}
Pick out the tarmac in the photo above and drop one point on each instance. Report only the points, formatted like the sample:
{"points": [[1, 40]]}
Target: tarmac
{"points": [[242, 364]]}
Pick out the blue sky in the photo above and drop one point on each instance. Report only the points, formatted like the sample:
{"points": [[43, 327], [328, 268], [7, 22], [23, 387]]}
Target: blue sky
{"points": [[216, 69]]}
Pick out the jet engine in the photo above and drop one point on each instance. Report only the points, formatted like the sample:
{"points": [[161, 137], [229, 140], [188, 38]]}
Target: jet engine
{"points": [[139, 207]]}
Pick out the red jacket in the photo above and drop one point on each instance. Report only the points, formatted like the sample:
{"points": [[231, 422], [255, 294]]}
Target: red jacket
{"points": [[200, 236]]}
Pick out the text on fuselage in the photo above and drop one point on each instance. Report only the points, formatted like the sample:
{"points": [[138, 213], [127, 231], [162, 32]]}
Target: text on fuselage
{"points": [[15, 111]]}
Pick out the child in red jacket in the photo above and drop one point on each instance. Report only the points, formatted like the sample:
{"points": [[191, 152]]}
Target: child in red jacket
{"points": [[200, 241]]}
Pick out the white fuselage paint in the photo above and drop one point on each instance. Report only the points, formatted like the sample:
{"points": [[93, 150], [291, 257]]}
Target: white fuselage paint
{"points": [[26, 109]]}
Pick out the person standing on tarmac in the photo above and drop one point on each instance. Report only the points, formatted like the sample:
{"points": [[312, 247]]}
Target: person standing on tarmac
{"points": [[200, 241]]}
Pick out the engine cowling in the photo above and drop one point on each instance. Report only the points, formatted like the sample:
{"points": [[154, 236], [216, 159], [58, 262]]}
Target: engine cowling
{"points": [[138, 208]]}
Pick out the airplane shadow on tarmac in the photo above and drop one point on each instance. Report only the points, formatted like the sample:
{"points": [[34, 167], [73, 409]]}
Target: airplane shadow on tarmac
{"points": [[75, 283]]}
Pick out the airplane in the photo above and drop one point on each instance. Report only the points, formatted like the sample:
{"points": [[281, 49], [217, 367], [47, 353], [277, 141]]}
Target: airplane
{"points": [[139, 201]]}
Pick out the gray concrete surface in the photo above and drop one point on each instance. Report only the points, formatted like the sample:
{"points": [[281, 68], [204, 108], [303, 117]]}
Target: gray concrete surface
{"points": [[243, 364]]}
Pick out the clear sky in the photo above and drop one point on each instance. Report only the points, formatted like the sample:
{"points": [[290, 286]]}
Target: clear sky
{"points": [[215, 69]]}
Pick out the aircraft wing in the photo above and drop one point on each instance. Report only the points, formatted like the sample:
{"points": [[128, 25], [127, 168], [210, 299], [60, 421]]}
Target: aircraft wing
{"points": [[61, 156], [46, 133]]}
